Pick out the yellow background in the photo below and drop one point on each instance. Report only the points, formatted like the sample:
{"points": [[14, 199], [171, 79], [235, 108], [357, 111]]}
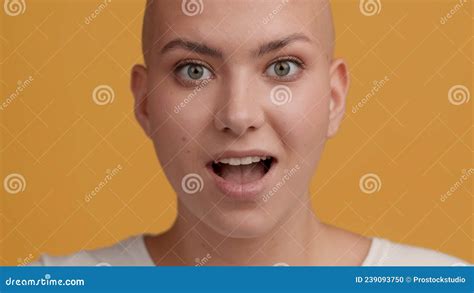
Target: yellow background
{"points": [[408, 133]]}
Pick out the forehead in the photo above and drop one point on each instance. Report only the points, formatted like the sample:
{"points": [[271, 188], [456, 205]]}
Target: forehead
{"points": [[239, 23]]}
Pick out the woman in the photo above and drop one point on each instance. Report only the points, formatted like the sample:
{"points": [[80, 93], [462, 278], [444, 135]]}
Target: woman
{"points": [[239, 99]]}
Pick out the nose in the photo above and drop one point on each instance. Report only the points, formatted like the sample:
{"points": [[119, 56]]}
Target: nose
{"points": [[240, 110]]}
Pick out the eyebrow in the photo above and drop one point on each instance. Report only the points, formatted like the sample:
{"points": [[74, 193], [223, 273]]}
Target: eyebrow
{"points": [[192, 46], [281, 43], [204, 49]]}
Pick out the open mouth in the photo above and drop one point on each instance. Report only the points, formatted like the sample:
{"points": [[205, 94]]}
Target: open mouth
{"points": [[243, 170]]}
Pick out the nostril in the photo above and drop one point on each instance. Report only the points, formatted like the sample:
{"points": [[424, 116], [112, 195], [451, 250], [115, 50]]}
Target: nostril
{"points": [[238, 118]]}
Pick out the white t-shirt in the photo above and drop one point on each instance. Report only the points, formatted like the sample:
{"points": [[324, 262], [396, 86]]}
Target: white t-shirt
{"points": [[133, 252]]}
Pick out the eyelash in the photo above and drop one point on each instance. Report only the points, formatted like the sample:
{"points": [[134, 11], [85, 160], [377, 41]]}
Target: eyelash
{"points": [[187, 62]]}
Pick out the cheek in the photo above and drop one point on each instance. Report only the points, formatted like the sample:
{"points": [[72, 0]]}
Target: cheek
{"points": [[177, 116], [184, 105], [304, 121]]}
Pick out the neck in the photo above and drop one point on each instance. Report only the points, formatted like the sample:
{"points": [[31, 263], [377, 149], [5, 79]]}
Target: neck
{"points": [[192, 242]]}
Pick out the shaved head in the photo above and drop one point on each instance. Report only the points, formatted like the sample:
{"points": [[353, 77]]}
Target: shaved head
{"points": [[321, 19], [148, 28]]}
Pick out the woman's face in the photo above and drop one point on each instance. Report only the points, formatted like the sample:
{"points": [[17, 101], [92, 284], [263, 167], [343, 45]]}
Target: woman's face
{"points": [[240, 99]]}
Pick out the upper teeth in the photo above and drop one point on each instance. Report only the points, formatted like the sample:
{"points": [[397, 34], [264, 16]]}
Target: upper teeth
{"points": [[242, 161]]}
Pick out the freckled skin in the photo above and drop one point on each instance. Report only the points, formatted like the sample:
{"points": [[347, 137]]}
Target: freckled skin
{"points": [[233, 111]]}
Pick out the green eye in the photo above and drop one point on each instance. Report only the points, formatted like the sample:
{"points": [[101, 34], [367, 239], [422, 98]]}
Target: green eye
{"points": [[281, 68], [284, 69], [195, 71]]}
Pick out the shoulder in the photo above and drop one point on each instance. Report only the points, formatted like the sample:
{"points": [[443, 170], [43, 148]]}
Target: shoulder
{"points": [[384, 252], [128, 252]]}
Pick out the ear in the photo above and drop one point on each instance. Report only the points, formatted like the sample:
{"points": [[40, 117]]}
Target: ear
{"points": [[339, 83], [140, 91]]}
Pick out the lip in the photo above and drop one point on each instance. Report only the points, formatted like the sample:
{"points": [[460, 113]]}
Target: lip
{"points": [[242, 192]]}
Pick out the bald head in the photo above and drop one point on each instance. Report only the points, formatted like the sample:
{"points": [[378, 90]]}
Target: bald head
{"points": [[321, 20], [148, 27]]}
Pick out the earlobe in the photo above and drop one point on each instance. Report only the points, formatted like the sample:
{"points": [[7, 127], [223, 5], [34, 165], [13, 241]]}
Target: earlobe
{"points": [[339, 85], [140, 92]]}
